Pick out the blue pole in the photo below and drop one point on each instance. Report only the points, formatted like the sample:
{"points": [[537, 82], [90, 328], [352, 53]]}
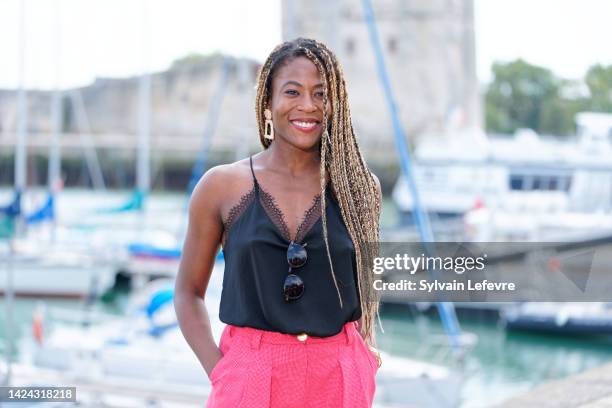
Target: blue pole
{"points": [[211, 124], [445, 309]]}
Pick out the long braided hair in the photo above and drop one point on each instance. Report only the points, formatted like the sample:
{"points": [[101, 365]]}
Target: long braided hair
{"points": [[352, 182]]}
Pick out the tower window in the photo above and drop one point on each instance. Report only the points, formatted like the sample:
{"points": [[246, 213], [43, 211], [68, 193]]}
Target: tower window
{"points": [[350, 46], [392, 44]]}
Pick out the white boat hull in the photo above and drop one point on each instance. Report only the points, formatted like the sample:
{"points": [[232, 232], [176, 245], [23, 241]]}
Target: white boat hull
{"points": [[40, 277]]}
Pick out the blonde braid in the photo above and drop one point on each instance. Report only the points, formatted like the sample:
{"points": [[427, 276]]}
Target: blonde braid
{"points": [[324, 148], [352, 182]]}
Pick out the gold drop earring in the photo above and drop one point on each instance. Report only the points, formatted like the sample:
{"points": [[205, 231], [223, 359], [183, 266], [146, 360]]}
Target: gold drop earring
{"points": [[269, 133]]}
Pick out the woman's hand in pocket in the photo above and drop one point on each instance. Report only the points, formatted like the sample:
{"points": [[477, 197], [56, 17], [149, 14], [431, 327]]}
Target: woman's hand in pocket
{"points": [[215, 362]]}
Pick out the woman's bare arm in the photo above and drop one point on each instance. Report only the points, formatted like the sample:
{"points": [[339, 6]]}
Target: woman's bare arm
{"points": [[199, 251]]}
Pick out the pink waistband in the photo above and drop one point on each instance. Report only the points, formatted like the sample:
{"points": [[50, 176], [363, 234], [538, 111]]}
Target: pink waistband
{"points": [[257, 336]]}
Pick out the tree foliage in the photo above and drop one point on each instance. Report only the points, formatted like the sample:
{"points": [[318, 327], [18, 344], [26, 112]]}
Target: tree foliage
{"points": [[522, 95], [599, 81]]}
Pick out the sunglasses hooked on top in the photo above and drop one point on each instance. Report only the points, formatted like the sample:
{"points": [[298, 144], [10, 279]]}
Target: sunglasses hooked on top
{"points": [[293, 288]]}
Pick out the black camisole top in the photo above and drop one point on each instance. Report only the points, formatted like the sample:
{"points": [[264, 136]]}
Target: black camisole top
{"points": [[255, 251]]}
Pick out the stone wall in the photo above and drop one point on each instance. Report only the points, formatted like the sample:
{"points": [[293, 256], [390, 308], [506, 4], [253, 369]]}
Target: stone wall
{"points": [[107, 110]]}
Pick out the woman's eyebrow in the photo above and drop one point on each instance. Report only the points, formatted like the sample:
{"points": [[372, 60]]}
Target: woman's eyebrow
{"points": [[292, 83], [296, 83]]}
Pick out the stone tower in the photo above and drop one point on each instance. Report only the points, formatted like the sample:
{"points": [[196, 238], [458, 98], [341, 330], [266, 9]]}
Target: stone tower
{"points": [[429, 50]]}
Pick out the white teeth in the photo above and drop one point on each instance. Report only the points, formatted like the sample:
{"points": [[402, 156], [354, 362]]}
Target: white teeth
{"points": [[305, 124]]}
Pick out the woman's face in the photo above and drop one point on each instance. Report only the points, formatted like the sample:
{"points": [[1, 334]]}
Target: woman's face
{"points": [[297, 104]]}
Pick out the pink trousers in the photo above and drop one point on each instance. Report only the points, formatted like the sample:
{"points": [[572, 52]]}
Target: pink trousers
{"points": [[261, 369]]}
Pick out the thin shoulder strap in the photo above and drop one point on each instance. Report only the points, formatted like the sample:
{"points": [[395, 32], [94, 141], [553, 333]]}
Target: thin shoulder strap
{"points": [[253, 173]]}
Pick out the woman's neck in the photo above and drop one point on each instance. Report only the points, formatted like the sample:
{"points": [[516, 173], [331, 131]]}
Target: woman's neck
{"points": [[295, 162]]}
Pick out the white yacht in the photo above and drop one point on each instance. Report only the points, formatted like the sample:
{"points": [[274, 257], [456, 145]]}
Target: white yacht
{"points": [[522, 183]]}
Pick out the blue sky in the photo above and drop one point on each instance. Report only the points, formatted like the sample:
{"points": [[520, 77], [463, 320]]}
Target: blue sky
{"points": [[105, 37]]}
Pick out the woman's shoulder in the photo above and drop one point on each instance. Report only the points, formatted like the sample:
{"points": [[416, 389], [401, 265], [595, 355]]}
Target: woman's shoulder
{"points": [[231, 173], [223, 183]]}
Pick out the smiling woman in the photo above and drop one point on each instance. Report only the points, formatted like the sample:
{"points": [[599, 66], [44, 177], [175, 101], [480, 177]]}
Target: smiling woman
{"points": [[298, 105], [292, 220]]}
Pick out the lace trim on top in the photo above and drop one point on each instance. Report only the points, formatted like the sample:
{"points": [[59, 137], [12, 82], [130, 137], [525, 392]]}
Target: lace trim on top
{"points": [[236, 211], [276, 215], [310, 217]]}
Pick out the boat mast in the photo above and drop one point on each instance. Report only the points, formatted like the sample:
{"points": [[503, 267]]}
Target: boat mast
{"points": [[20, 184], [22, 111], [143, 170], [54, 169], [446, 309], [210, 126], [85, 135]]}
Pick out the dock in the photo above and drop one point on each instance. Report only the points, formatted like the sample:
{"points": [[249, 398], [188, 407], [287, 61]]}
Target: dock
{"points": [[590, 389]]}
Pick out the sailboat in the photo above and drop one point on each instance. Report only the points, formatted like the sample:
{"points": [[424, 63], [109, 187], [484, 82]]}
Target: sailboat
{"points": [[43, 267]]}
